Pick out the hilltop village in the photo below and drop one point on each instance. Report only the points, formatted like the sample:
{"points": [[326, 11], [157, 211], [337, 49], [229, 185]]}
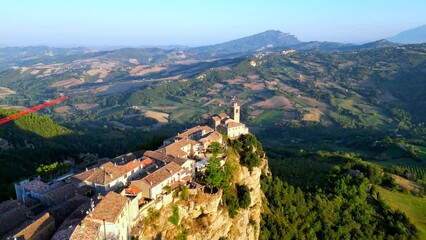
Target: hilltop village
{"points": [[110, 198]]}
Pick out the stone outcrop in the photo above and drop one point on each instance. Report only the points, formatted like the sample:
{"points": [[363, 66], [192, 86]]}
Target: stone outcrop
{"points": [[204, 216]]}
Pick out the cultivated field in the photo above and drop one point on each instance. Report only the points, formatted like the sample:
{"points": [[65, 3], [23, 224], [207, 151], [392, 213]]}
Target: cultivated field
{"points": [[103, 73], [67, 83], [312, 114], [276, 102], [144, 70], [63, 109], [86, 106], [159, 116], [6, 91]]}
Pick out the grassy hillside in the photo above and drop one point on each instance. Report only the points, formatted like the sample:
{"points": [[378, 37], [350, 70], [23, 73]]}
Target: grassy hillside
{"points": [[32, 123], [36, 140], [414, 207]]}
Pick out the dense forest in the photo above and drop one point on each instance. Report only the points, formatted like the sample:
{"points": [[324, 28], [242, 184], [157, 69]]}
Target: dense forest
{"points": [[341, 206]]}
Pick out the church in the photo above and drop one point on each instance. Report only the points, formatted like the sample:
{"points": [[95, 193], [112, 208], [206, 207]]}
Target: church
{"points": [[231, 125]]}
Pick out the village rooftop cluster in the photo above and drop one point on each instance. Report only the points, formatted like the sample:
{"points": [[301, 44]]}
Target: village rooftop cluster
{"points": [[111, 197]]}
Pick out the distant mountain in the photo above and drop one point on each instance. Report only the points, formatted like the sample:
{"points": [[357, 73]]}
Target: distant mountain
{"points": [[315, 45], [383, 43], [27, 56], [412, 36], [334, 46], [260, 41]]}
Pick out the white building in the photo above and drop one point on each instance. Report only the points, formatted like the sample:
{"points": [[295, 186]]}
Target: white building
{"points": [[152, 186], [230, 125]]}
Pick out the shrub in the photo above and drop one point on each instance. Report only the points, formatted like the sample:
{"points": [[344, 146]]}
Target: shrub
{"points": [[168, 189], [153, 215], [174, 219], [183, 235], [243, 193], [232, 203], [184, 193]]}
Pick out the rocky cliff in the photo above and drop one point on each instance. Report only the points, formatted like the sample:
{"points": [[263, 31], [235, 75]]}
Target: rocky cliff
{"points": [[205, 216]]}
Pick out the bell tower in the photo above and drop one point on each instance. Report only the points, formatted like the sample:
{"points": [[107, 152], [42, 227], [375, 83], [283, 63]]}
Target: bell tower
{"points": [[235, 112]]}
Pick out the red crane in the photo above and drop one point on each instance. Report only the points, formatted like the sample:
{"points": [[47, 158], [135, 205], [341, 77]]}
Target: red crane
{"points": [[33, 109]]}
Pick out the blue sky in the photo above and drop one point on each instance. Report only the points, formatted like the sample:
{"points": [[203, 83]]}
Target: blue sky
{"points": [[200, 22]]}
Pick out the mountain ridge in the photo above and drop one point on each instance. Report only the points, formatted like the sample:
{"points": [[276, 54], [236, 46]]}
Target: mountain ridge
{"points": [[266, 39], [410, 36]]}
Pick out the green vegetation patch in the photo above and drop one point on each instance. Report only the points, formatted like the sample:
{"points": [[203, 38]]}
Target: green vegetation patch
{"points": [[40, 125], [414, 207], [269, 117]]}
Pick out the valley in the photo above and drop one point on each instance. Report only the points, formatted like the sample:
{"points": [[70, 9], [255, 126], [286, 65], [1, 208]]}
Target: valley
{"points": [[320, 109]]}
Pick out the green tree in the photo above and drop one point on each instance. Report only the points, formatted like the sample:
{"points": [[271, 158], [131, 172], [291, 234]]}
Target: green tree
{"points": [[243, 193], [215, 148], [50, 170], [214, 173]]}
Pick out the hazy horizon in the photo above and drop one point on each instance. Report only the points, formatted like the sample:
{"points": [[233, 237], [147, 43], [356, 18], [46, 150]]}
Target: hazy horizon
{"points": [[196, 23]]}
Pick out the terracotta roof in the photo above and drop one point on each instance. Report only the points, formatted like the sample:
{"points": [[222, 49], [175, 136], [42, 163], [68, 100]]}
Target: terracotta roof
{"points": [[216, 118], [223, 115], [110, 207], [125, 158], [161, 174], [65, 233], [62, 193], [175, 149], [133, 189], [194, 130], [30, 228], [146, 162], [8, 205], [131, 165], [62, 211], [212, 137], [181, 161], [87, 230], [235, 124], [166, 159], [84, 190], [36, 186], [31, 202], [102, 175], [67, 228], [13, 218], [158, 156]]}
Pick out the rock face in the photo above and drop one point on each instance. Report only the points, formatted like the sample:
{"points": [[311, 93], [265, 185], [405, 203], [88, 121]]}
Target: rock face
{"points": [[204, 216]]}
